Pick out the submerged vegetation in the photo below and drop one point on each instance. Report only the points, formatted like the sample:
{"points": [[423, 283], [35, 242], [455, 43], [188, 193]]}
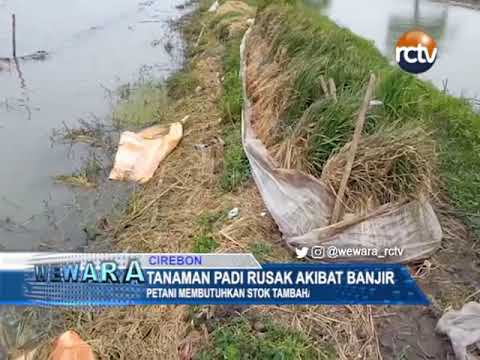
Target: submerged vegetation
{"points": [[86, 176], [141, 104]]}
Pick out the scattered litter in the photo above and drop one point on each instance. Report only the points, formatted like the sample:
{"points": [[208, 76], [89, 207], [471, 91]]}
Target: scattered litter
{"points": [[139, 154], [214, 7], [375, 103], [463, 329], [213, 143], [201, 147], [263, 214], [198, 89], [232, 214], [69, 346]]}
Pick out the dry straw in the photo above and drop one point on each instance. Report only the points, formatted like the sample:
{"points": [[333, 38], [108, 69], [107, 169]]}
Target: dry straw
{"points": [[390, 165]]}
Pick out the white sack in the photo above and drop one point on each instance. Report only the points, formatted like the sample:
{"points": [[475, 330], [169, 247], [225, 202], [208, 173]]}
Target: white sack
{"points": [[214, 7], [463, 329]]}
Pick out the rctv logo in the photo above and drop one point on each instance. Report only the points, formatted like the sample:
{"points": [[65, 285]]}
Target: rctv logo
{"points": [[416, 52]]}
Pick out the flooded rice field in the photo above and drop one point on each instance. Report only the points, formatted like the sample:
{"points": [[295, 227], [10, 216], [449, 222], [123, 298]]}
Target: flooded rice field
{"points": [[72, 56]]}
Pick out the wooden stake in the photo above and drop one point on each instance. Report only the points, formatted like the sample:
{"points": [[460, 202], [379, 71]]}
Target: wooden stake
{"points": [[333, 89], [338, 208], [324, 86], [200, 36], [14, 40]]}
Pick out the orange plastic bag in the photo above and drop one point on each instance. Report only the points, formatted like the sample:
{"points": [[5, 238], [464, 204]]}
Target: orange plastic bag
{"points": [[139, 154], [69, 346]]}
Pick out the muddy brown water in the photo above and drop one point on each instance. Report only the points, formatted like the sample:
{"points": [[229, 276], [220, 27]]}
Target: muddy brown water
{"points": [[82, 50]]}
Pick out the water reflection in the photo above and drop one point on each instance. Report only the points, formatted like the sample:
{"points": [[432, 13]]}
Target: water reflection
{"points": [[432, 22], [455, 29]]}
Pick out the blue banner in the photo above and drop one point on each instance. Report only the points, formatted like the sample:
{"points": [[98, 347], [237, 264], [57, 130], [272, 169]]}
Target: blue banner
{"points": [[142, 279]]}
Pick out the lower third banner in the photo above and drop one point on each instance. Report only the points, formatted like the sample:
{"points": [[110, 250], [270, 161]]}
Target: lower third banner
{"points": [[200, 279]]}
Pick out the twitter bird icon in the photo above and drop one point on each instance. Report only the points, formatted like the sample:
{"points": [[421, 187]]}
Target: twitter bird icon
{"points": [[301, 253]]}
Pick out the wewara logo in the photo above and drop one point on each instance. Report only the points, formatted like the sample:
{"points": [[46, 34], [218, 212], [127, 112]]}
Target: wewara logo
{"points": [[416, 52]]}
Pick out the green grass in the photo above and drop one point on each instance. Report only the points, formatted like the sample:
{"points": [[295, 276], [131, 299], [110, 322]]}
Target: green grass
{"points": [[236, 169], [181, 84], [141, 105], [316, 46], [232, 99], [204, 243], [238, 341], [221, 24], [261, 250], [252, 3], [203, 240]]}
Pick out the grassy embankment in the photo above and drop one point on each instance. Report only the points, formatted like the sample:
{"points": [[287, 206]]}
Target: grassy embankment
{"points": [[316, 47]]}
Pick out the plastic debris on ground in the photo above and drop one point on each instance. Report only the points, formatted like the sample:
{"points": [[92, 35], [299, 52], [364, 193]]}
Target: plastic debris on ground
{"points": [[69, 346], [463, 329], [214, 6], [140, 154], [232, 214]]}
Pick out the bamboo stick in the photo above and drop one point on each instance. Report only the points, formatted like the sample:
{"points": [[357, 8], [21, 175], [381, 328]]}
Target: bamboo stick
{"points": [[324, 86], [338, 208], [333, 89]]}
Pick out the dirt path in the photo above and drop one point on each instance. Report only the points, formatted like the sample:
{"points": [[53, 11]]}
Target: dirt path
{"points": [[450, 278]]}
